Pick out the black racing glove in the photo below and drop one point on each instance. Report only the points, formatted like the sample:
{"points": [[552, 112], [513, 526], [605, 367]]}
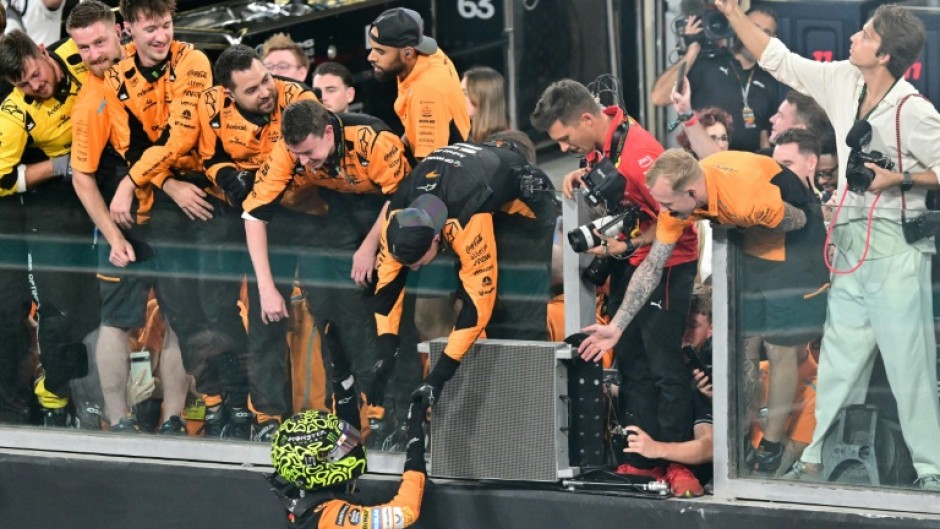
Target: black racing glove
{"points": [[430, 390], [414, 448], [236, 184], [382, 370], [342, 369]]}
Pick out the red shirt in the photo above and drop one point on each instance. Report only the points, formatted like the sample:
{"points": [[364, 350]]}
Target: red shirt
{"points": [[639, 151]]}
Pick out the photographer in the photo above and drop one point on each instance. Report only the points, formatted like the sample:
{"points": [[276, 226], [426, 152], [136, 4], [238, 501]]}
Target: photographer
{"points": [[727, 78], [657, 389], [896, 316]]}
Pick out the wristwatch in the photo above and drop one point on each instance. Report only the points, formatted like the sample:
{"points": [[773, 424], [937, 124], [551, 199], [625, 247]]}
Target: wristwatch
{"points": [[682, 118], [907, 182]]}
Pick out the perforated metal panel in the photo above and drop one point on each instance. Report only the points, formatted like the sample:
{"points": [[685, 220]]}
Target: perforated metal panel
{"points": [[504, 415]]}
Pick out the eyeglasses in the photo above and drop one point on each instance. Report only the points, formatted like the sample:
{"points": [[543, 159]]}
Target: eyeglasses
{"points": [[827, 174], [723, 137], [281, 67]]}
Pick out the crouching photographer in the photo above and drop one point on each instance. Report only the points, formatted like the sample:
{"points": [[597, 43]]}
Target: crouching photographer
{"points": [[617, 151]]}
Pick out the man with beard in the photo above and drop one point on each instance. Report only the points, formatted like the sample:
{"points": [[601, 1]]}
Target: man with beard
{"points": [[37, 199], [729, 80], [239, 127], [430, 101]]}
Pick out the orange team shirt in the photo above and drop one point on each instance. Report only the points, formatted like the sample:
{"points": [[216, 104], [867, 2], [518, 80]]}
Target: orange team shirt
{"points": [[227, 138], [153, 117], [399, 513], [369, 158], [431, 105], [739, 194]]}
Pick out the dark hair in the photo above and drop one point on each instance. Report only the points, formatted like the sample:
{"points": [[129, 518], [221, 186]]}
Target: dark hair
{"points": [[806, 142], [131, 10], [15, 48], [87, 13], [3, 18], [563, 101], [520, 140], [337, 69], [902, 37], [827, 143], [303, 118], [764, 10], [238, 58], [808, 112], [701, 301], [707, 116]]}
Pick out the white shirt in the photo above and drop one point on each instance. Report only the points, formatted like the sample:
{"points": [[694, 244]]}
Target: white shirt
{"points": [[43, 25], [837, 87]]}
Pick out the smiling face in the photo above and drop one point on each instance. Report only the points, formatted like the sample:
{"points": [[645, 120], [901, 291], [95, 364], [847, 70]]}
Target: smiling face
{"points": [[313, 151], [784, 119], [99, 45], [254, 90], [152, 35], [39, 77]]}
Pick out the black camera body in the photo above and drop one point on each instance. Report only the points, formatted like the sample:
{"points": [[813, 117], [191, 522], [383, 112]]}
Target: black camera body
{"points": [[715, 27], [858, 176]]}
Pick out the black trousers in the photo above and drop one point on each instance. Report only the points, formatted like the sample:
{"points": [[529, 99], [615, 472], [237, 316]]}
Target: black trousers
{"points": [[62, 273], [656, 385], [200, 267], [14, 297]]}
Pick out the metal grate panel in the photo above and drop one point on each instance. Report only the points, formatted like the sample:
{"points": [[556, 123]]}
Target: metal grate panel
{"points": [[498, 418]]}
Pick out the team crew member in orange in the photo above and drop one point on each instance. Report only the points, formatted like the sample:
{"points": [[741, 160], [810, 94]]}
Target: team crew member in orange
{"points": [[151, 100], [448, 201], [352, 162], [38, 201], [730, 188], [96, 172], [239, 128], [430, 101]]}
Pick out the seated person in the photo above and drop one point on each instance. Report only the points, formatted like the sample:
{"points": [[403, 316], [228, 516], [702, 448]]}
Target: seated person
{"points": [[696, 454], [317, 457]]}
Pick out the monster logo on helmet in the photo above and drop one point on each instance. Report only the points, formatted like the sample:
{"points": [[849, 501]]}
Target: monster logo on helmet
{"points": [[315, 449]]}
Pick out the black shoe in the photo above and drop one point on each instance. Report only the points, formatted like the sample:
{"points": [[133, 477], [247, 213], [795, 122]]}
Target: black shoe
{"points": [[239, 424], [174, 426], [214, 424], [56, 418], [126, 425], [262, 433], [765, 460], [88, 416]]}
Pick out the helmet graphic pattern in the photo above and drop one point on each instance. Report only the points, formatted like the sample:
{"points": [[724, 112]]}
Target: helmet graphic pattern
{"points": [[301, 448]]}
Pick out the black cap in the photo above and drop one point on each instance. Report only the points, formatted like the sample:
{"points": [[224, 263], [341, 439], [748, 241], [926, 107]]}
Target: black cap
{"points": [[402, 28], [411, 231]]}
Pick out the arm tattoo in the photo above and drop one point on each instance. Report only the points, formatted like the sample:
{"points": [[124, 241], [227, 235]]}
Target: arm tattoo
{"points": [[644, 281], [793, 219]]}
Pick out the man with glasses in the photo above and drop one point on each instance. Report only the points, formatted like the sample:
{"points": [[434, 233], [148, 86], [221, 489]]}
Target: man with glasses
{"points": [[284, 57]]}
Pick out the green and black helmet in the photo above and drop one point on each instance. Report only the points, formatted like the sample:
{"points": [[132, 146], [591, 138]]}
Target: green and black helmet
{"points": [[315, 449]]}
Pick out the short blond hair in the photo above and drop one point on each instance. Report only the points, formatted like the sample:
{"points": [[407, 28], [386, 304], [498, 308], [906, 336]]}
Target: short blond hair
{"points": [[282, 41], [676, 166]]}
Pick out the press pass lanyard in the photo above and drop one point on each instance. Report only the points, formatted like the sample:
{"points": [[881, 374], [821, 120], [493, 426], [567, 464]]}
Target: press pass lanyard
{"points": [[747, 114]]}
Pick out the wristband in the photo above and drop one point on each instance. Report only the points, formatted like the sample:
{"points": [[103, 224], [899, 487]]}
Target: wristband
{"points": [[691, 121], [21, 178], [907, 182]]}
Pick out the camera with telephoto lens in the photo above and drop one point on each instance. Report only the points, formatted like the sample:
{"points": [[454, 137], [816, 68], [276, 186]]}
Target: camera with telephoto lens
{"points": [[858, 176], [715, 27]]}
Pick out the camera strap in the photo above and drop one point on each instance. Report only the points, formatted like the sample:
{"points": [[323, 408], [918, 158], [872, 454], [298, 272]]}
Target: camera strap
{"points": [[619, 139], [897, 130]]}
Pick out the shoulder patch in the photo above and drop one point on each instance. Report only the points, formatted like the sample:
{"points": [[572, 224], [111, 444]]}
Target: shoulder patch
{"points": [[14, 110], [74, 59]]}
